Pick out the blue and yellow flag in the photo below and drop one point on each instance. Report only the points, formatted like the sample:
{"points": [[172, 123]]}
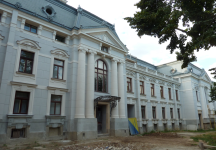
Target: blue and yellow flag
{"points": [[133, 126]]}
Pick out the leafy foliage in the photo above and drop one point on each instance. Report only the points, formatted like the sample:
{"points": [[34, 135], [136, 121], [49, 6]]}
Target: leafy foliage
{"points": [[213, 92], [214, 72], [161, 19]]}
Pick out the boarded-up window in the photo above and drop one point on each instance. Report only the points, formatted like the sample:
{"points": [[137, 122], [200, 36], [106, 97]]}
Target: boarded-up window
{"points": [[18, 133]]}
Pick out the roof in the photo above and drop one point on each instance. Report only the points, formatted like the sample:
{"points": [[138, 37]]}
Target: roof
{"points": [[66, 16]]}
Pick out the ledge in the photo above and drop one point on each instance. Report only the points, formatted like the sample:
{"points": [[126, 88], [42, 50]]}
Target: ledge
{"points": [[155, 119], [23, 84], [143, 94], [60, 80], [25, 74], [130, 92], [153, 96], [163, 98], [145, 119], [171, 99], [54, 117], [55, 88], [19, 116], [172, 119], [164, 119]]}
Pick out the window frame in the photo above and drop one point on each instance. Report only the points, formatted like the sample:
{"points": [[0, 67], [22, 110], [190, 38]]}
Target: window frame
{"points": [[197, 96], [129, 84], [143, 112], [154, 110], [96, 84], [169, 93], [179, 115], [21, 102], [161, 92], [152, 90], [177, 98], [58, 68], [21, 57], [163, 112], [171, 113], [143, 87], [30, 27], [55, 105]]}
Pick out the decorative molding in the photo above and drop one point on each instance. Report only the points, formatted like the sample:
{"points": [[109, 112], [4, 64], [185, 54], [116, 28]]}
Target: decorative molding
{"points": [[177, 86], [53, 12], [59, 52], [169, 84], [1, 37], [23, 84], [161, 82], [130, 73], [142, 77], [29, 43], [25, 74], [152, 80], [196, 87], [18, 5], [173, 71], [55, 88]]}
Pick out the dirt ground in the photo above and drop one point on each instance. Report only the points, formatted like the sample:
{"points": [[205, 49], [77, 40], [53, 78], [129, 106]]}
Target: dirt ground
{"points": [[154, 141]]}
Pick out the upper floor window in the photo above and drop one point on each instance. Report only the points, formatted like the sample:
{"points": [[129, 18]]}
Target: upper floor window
{"points": [[55, 108], [177, 95], [154, 112], [104, 49], [161, 92], [152, 90], [21, 102], [26, 62], [58, 69], [100, 76], [30, 28], [169, 92], [60, 38], [197, 96], [143, 112], [129, 84], [141, 87], [163, 113], [178, 113], [171, 113]]}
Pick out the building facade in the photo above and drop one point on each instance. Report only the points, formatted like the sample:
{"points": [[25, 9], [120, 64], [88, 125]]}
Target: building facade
{"points": [[65, 74]]}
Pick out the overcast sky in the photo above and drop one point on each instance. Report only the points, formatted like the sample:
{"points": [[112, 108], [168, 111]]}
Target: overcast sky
{"points": [[146, 47]]}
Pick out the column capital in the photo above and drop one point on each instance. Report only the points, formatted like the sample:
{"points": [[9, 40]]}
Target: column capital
{"points": [[82, 49], [121, 62], [92, 52], [115, 60]]}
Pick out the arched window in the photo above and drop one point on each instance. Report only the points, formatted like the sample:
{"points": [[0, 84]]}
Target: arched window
{"points": [[100, 76]]}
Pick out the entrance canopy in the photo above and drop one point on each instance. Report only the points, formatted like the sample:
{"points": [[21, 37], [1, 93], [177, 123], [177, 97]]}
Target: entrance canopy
{"points": [[110, 99]]}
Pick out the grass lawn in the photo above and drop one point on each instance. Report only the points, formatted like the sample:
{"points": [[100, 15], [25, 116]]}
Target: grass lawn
{"points": [[209, 138]]}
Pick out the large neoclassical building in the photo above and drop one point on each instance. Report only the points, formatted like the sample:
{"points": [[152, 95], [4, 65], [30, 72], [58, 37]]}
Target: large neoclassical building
{"points": [[65, 74]]}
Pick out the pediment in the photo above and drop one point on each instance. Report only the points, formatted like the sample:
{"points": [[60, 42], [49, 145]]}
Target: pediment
{"points": [[59, 52], [107, 36], [29, 43], [206, 77]]}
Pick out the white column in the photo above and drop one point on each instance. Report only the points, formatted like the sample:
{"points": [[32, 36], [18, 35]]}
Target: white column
{"points": [[203, 102], [80, 97], [121, 91], [114, 88], [90, 86]]}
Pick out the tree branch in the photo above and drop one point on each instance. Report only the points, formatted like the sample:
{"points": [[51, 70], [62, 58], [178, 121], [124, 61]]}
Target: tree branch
{"points": [[181, 30]]}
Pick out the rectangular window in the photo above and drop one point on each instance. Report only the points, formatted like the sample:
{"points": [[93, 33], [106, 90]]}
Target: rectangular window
{"points": [[197, 96], [143, 112], [171, 113], [26, 62], [18, 133], [141, 87], [154, 112], [177, 95], [163, 113], [169, 91], [58, 69], [104, 49], [152, 89], [161, 92], [21, 103], [60, 38], [55, 108], [129, 85], [30, 28], [178, 113]]}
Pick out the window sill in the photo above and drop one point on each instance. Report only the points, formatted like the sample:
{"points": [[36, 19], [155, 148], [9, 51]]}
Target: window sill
{"points": [[172, 119], [55, 117], [60, 80], [153, 96], [29, 31], [19, 116], [144, 119], [155, 119], [143, 94], [25, 74], [130, 92], [164, 119], [171, 99], [163, 98]]}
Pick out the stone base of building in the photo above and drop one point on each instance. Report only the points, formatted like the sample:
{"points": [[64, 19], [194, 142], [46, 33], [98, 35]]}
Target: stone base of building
{"points": [[119, 127]]}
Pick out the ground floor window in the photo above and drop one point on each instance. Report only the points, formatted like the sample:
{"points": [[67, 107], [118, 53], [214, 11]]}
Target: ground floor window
{"points": [[18, 133], [55, 108], [21, 102]]}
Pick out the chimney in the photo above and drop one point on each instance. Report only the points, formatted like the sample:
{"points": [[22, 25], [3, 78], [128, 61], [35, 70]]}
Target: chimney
{"points": [[64, 1]]}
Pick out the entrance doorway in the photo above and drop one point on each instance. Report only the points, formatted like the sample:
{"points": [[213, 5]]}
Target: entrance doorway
{"points": [[131, 111], [103, 118]]}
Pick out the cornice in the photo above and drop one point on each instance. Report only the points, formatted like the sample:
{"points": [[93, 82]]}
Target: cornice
{"points": [[55, 88], [23, 84]]}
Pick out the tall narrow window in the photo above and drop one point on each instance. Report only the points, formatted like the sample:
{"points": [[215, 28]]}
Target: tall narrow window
{"points": [[26, 62], [129, 84], [30, 28], [161, 92], [58, 69], [178, 113], [177, 95], [152, 90], [100, 76], [143, 112], [104, 49], [21, 103], [154, 112], [169, 91], [60, 38], [141, 87], [171, 113], [163, 112], [55, 108], [197, 96]]}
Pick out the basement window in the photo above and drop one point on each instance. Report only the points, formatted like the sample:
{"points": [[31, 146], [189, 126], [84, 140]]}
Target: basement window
{"points": [[60, 38], [18, 133]]}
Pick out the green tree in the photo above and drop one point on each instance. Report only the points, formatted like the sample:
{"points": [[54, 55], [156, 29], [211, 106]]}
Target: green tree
{"points": [[195, 20], [213, 92]]}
